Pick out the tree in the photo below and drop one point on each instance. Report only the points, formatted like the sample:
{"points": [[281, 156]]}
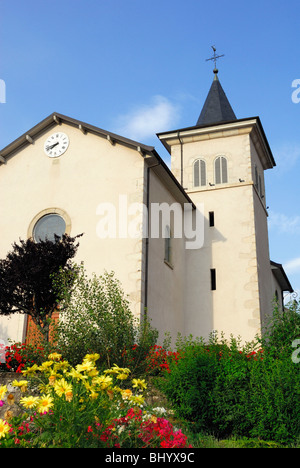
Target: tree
{"points": [[26, 278]]}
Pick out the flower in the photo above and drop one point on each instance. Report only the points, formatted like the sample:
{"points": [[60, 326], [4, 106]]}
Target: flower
{"points": [[10, 399], [31, 370], [76, 375], [92, 357], [23, 384], [44, 404], [137, 399], [29, 402], [126, 394], [54, 357], [3, 390], [52, 379], [45, 366], [4, 428], [8, 414], [122, 376], [104, 381], [61, 387], [86, 366], [69, 396], [138, 383]]}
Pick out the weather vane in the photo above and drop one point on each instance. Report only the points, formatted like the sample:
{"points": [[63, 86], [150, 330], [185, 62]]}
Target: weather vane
{"points": [[215, 58]]}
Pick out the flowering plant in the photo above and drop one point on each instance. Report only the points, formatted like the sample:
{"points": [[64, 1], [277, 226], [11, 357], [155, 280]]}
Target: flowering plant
{"points": [[159, 359], [83, 407], [138, 429]]}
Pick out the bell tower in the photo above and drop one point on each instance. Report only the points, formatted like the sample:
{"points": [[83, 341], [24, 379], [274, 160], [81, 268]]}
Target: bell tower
{"points": [[220, 162]]}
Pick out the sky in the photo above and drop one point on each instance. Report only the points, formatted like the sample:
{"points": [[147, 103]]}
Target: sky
{"points": [[137, 68]]}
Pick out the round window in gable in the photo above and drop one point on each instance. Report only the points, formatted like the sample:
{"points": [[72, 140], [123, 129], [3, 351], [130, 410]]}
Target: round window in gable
{"points": [[48, 227]]}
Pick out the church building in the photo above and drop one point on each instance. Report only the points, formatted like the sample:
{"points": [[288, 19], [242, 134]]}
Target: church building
{"points": [[189, 244]]}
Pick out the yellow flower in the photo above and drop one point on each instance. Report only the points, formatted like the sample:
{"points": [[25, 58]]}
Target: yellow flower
{"points": [[76, 375], [137, 399], [44, 404], [3, 390], [92, 357], [69, 396], [86, 366], [23, 384], [138, 383], [93, 373], [52, 379], [104, 381], [45, 366], [54, 357], [62, 365], [31, 370], [122, 376], [29, 402], [93, 394], [61, 387], [126, 394], [4, 428]]}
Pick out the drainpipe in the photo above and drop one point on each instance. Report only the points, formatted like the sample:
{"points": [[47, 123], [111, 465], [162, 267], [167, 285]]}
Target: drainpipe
{"points": [[181, 158], [148, 234]]}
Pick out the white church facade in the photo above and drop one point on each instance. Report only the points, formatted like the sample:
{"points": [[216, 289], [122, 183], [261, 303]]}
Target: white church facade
{"points": [[189, 244]]}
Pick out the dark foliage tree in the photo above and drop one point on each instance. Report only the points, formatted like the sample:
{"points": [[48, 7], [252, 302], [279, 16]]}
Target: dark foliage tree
{"points": [[26, 278]]}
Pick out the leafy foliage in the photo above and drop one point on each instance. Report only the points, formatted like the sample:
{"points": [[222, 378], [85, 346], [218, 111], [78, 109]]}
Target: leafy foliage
{"points": [[96, 317], [227, 390], [26, 277]]}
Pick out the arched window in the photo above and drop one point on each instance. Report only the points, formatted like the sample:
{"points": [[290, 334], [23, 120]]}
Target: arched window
{"points": [[199, 173], [221, 173], [49, 227]]}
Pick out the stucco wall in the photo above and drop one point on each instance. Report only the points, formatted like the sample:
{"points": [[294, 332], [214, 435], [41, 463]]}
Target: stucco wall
{"points": [[91, 172]]}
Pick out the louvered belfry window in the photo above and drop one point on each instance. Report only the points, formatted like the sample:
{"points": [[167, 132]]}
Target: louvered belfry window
{"points": [[199, 173], [221, 173]]}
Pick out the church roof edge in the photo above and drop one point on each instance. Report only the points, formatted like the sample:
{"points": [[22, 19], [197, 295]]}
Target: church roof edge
{"points": [[164, 135], [55, 119]]}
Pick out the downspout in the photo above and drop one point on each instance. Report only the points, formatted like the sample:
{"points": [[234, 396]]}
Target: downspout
{"points": [[148, 233], [181, 158]]}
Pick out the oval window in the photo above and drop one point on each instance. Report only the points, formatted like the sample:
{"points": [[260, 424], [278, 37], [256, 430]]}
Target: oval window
{"points": [[48, 227]]}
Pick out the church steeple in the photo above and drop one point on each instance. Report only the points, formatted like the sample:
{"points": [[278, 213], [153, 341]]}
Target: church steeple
{"points": [[216, 107]]}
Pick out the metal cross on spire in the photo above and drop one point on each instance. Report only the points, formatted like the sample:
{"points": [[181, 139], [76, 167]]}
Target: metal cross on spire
{"points": [[215, 58]]}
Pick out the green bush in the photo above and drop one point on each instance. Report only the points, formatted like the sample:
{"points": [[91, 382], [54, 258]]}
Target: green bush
{"points": [[96, 318], [227, 390]]}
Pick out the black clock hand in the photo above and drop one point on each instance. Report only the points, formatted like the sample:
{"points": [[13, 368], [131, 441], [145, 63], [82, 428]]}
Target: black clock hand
{"points": [[52, 146]]}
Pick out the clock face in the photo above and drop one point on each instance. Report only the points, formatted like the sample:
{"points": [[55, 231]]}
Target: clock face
{"points": [[56, 144]]}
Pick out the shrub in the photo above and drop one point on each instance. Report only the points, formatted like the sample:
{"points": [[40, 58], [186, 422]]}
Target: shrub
{"points": [[225, 390], [96, 318]]}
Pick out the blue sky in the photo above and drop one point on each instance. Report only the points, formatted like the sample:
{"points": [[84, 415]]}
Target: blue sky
{"points": [[136, 67]]}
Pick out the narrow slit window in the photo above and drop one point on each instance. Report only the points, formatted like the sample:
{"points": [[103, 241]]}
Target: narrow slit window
{"points": [[168, 246], [211, 219], [213, 279]]}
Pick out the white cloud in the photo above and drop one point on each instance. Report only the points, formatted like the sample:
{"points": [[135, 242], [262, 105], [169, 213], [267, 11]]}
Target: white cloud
{"points": [[284, 224], [293, 266], [287, 156], [146, 121]]}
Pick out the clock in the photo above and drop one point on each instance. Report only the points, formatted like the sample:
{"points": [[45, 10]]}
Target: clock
{"points": [[56, 144]]}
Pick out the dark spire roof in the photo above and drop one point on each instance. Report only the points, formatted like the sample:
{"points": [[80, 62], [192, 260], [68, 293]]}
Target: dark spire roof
{"points": [[216, 107]]}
